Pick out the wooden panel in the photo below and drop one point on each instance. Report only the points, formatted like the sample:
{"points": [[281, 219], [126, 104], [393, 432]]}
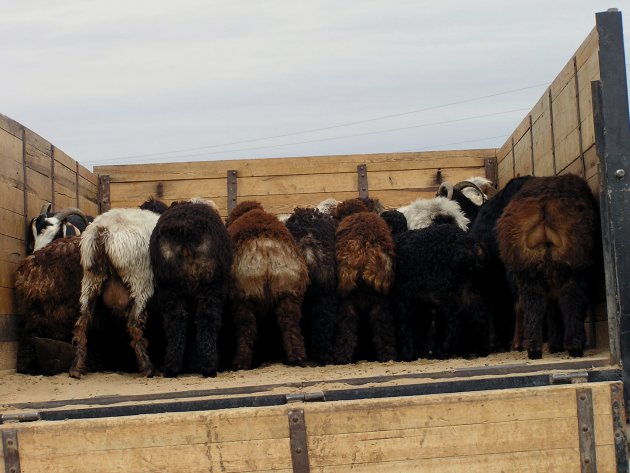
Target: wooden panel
{"points": [[531, 429], [12, 224], [543, 141], [11, 126], [12, 174], [565, 126], [523, 155], [506, 169], [586, 74], [11, 198], [290, 166], [8, 357], [8, 304]]}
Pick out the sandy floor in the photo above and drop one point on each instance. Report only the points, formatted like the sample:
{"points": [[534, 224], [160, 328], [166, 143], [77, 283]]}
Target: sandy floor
{"points": [[16, 388]]}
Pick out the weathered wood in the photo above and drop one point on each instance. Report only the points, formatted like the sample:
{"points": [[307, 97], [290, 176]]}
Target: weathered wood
{"points": [[535, 425], [523, 155], [291, 166], [8, 303], [8, 356]]}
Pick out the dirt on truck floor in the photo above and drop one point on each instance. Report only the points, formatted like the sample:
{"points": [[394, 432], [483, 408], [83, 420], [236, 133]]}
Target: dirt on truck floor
{"points": [[17, 390]]}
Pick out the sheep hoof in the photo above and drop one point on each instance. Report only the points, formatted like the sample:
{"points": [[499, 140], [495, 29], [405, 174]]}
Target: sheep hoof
{"points": [[534, 354], [76, 374], [576, 352], [149, 372]]}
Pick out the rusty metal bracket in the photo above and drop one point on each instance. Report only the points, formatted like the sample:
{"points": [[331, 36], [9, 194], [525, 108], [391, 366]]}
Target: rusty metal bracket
{"points": [[104, 197], [231, 190], [21, 417], [297, 437], [11, 451], [317, 396], [363, 180], [586, 430], [569, 378], [619, 428]]}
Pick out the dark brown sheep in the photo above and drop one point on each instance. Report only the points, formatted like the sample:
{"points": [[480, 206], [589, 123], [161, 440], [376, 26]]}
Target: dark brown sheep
{"points": [[548, 240], [268, 279], [365, 268]]}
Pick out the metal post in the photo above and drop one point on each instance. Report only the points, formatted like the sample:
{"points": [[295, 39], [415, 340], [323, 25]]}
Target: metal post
{"points": [[612, 138]]}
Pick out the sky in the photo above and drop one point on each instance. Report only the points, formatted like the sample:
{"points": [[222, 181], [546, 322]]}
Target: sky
{"points": [[112, 82]]}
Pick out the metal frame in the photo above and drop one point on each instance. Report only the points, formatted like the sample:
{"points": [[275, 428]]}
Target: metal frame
{"points": [[612, 138]]}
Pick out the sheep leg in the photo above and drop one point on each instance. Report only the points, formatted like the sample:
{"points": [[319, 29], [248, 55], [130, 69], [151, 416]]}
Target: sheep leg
{"points": [[208, 318], [288, 313], [533, 300], [79, 341], [26, 356], [405, 331], [136, 320], [573, 306], [347, 332], [246, 333], [383, 330], [175, 328], [555, 329], [321, 327]]}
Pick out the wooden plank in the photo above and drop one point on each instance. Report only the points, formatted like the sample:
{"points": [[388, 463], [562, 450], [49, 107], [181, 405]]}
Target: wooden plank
{"points": [[588, 47], [88, 205], [291, 166], [562, 80], [565, 126], [10, 147], [7, 274], [86, 174], [506, 170], [39, 143], [11, 126], [521, 129], [573, 168], [8, 356], [87, 188], [523, 155], [588, 73], [63, 159], [8, 303], [12, 174], [11, 198], [8, 328], [543, 142], [65, 177], [12, 224], [11, 249]]}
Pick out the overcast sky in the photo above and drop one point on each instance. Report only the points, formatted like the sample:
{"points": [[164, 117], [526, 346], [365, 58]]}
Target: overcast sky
{"points": [[144, 81]]}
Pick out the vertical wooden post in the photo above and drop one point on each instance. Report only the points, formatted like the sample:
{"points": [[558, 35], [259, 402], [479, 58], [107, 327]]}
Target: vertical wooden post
{"points": [[77, 183], [579, 116], [24, 182], [104, 197], [52, 177], [553, 134]]}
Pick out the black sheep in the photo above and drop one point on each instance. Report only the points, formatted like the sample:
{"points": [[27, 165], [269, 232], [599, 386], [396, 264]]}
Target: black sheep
{"points": [[191, 257], [314, 233], [436, 298]]}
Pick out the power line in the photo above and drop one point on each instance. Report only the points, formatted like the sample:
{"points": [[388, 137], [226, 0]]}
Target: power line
{"points": [[330, 138], [367, 120]]}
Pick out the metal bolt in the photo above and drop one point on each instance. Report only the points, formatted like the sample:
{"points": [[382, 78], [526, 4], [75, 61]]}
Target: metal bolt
{"points": [[298, 450], [620, 173], [13, 470], [582, 397], [584, 428], [587, 461], [295, 420], [10, 442]]}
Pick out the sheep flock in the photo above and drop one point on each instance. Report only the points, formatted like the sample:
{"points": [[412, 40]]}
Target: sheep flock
{"points": [[173, 289]]}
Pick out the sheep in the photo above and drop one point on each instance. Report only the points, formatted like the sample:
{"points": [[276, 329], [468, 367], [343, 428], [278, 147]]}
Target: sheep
{"points": [[423, 213], [269, 277], [364, 252], [548, 237], [115, 261], [314, 233], [48, 226], [327, 206], [436, 297], [497, 290], [48, 284], [461, 193], [191, 257]]}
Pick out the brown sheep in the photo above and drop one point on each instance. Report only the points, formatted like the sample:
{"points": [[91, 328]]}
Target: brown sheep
{"points": [[365, 267], [269, 277], [548, 236]]}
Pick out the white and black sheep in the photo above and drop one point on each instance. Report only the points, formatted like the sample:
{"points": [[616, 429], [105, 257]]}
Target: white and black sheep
{"points": [[48, 226], [116, 267]]}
